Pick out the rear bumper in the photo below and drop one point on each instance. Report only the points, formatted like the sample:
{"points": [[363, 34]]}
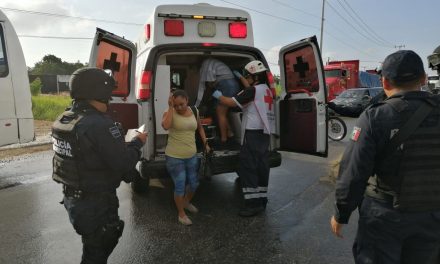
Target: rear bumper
{"points": [[222, 162]]}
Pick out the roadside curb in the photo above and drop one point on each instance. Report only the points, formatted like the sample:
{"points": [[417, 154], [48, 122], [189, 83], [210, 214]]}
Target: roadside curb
{"points": [[37, 142]]}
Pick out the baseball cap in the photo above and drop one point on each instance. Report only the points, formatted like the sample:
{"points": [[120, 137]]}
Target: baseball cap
{"points": [[403, 66]]}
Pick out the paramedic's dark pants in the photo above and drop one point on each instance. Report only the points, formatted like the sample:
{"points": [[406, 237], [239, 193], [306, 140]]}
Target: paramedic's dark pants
{"points": [[254, 166], [386, 235], [96, 219]]}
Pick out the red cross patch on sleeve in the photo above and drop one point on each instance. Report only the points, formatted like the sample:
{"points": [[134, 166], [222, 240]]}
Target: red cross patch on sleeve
{"points": [[355, 134]]}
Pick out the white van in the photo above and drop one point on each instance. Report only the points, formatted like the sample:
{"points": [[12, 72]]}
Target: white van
{"points": [[169, 52], [16, 119]]}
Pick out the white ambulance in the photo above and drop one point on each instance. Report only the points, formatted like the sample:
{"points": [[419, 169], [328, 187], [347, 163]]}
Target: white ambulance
{"points": [[169, 52], [16, 119]]}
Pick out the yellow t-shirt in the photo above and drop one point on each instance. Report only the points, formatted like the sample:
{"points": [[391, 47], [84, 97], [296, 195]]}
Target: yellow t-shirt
{"points": [[181, 140]]}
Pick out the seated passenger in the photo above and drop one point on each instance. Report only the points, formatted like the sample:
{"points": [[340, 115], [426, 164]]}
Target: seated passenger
{"points": [[215, 75]]}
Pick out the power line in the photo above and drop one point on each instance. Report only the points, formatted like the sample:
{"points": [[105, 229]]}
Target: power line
{"points": [[348, 45], [267, 14], [297, 9], [366, 37], [127, 23], [328, 22], [363, 27], [377, 35], [52, 37], [68, 16]]}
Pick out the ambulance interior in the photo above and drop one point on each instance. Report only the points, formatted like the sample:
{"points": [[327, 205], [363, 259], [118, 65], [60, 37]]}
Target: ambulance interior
{"points": [[184, 74]]}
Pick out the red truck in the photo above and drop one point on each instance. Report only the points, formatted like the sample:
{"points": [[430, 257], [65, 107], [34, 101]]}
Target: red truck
{"points": [[342, 75]]}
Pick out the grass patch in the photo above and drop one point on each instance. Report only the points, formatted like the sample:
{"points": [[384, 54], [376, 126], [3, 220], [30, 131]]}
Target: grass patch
{"points": [[48, 107]]}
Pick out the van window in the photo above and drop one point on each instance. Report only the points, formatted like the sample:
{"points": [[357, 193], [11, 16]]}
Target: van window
{"points": [[332, 73], [4, 69], [301, 70], [117, 60]]}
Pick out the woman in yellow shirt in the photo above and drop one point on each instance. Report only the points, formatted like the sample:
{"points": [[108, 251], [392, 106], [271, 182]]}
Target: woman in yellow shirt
{"points": [[180, 152]]}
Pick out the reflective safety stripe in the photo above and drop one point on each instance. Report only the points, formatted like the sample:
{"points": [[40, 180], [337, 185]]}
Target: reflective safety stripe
{"points": [[251, 190], [255, 195], [258, 189]]}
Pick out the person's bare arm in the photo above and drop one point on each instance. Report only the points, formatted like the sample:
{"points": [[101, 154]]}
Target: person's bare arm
{"points": [[244, 82], [202, 135], [228, 101], [167, 118]]}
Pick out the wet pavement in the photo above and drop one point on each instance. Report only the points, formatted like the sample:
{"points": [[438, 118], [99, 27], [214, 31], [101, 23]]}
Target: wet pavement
{"points": [[294, 228]]}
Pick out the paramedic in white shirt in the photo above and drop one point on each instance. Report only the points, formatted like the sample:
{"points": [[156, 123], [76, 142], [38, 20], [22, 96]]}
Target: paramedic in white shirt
{"points": [[257, 103]]}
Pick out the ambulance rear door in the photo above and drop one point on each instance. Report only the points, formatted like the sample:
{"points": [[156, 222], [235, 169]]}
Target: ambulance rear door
{"points": [[118, 56], [302, 110]]}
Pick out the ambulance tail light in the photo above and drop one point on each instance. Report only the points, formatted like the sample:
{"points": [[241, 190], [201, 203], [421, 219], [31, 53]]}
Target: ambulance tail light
{"points": [[147, 32], [173, 28], [271, 81], [206, 44], [237, 30], [145, 86]]}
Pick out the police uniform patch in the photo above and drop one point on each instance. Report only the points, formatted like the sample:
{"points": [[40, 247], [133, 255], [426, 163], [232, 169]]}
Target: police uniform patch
{"points": [[114, 130], [355, 134]]}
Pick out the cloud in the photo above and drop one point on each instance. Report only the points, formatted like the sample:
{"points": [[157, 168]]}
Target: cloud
{"points": [[45, 25], [329, 55], [272, 56]]}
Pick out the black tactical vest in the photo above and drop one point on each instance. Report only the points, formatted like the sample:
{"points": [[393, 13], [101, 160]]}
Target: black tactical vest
{"points": [[415, 182], [66, 148]]}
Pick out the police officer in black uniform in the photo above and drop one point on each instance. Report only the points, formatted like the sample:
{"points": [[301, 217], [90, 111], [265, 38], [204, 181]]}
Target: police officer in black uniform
{"points": [[391, 171], [91, 158]]}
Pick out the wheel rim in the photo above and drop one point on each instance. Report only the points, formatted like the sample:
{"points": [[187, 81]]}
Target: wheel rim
{"points": [[335, 129]]}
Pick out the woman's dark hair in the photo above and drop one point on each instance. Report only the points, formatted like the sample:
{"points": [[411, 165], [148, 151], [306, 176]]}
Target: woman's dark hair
{"points": [[180, 93], [261, 77]]}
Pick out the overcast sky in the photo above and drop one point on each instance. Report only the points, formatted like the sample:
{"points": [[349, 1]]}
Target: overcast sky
{"points": [[354, 29]]}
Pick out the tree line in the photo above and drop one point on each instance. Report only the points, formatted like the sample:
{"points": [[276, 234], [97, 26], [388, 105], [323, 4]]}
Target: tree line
{"points": [[52, 65]]}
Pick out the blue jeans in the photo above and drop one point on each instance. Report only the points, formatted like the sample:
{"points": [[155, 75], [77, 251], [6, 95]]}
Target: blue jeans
{"points": [[228, 87], [183, 172]]}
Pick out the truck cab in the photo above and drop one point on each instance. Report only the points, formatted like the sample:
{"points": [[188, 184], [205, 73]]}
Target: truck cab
{"points": [[341, 75], [169, 53], [16, 119]]}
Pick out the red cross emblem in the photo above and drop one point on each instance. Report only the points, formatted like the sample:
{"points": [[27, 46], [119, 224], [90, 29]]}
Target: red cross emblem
{"points": [[268, 99]]}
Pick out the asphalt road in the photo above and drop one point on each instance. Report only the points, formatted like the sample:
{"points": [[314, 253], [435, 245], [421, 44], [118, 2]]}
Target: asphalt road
{"points": [[294, 229]]}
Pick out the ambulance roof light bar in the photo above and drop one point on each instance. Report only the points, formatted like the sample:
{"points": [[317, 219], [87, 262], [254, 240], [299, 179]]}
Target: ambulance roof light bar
{"points": [[172, 15]]}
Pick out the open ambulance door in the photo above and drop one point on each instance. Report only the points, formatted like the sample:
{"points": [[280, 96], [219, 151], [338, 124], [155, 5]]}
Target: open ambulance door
{"points": [[118, 56], [302, 111]]}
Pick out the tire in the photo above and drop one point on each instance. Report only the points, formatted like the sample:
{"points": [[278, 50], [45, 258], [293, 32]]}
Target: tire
{"points": [[337, 129], [141, 184]]}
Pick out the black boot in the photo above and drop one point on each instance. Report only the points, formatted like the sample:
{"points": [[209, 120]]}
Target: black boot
{"points": [[263, 201], [251, 207]]}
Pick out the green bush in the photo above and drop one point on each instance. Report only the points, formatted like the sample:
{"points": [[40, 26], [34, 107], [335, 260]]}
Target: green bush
{"points": [[36, 87], [48, 107]]}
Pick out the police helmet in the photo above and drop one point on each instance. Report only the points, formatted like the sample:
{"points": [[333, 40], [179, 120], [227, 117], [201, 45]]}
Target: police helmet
{"points": [[91, 83], [434, 59], [254, 67]]}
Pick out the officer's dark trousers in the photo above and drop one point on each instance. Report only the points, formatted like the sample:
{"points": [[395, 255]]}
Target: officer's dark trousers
{"points": [[254, 167], [388, 236], [95, 218]]}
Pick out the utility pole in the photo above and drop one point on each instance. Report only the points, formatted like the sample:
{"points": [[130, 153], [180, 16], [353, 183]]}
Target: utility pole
{"points": [[399, 46], [322, 24]]}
